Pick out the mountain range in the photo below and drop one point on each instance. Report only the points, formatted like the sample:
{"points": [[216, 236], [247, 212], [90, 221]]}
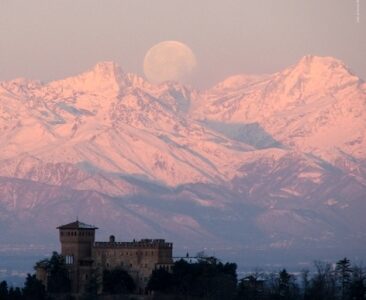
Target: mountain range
{"points": [[273, 162]]}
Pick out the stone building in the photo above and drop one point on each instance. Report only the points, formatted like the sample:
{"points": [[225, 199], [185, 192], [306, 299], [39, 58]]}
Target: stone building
{"points": [[84, 257]]}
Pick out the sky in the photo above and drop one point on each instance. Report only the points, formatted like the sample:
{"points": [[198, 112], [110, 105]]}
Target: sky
{"points": [[50, 40]]}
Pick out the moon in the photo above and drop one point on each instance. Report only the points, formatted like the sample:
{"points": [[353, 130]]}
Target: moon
{"points": [[169, 61]]}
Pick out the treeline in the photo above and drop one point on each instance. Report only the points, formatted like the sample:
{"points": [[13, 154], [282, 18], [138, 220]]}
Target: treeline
{"points": [[340, 281], [207, 278], [210, 279], [112, 282], [33, 289]]}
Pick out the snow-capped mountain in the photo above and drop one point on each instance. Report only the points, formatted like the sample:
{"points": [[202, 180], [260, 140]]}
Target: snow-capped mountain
{"points": [[316, 106], [273, 161]]}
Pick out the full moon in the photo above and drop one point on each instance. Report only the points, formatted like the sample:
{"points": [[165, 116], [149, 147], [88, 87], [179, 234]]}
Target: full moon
{"points": [[169, 61]]}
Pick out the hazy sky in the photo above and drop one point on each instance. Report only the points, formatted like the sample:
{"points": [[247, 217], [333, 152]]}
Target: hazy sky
{"points": [[52, 39]]}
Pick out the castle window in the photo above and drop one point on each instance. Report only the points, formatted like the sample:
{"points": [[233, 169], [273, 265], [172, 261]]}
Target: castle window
{"points": [[69, 259]]}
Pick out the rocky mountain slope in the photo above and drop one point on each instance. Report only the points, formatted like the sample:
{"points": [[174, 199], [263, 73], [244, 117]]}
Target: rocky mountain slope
{"points": [[255, 162]]}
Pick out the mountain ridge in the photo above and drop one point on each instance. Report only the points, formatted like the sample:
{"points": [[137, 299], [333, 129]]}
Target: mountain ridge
{"points": [[228, 165]]}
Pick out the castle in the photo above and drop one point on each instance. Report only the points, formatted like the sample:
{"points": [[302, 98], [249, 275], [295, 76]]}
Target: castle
{"points": [[85, 257]]}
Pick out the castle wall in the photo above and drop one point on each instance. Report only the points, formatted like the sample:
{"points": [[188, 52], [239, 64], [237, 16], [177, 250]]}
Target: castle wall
{"points": [[84, 257], [139, 259]]}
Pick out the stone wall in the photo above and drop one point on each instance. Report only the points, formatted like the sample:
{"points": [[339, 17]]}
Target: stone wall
{"points": [[139, 258]]}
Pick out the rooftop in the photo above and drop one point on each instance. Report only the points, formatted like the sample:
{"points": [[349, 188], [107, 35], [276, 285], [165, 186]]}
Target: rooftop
{"points": [[77, 225]]}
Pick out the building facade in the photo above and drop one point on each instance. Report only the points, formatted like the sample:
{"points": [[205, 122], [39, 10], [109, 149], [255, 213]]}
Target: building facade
{"points": [[85, 257]]}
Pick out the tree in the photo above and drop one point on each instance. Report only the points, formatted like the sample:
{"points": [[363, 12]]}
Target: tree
{"points": [[92, 287], [323, 285], [358, 283], [4, 290], [343, 273], [58, 278], [282, 285], [305, 282], [33, 288], [161, 281], [286, 285], [251, 287], [117, 281], [212, 279], [15, 294], [208, 279]]}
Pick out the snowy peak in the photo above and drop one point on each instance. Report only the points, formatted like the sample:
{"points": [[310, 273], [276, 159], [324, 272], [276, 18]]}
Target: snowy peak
{"points": [[317, 75], [236, 82], [103, 78], [309, 60], [136, 81], [316, 105], [326, 66], [20, 86], [106, 70]]}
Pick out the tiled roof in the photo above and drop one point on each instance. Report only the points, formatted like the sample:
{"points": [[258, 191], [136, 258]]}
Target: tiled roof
{"points": [[77, 225]]}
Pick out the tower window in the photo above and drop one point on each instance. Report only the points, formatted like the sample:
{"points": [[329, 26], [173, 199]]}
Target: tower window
{"points": [[69, 259]]}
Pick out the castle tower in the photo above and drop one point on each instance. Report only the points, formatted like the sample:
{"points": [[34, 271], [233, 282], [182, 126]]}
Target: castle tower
{"points": [[77, 240]]}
